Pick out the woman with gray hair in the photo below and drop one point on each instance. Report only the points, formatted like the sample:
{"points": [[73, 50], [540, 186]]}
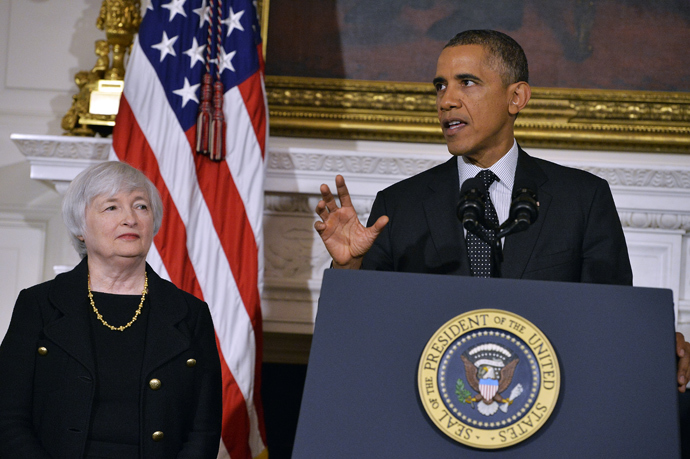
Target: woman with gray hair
{"points": [[109, 360]]}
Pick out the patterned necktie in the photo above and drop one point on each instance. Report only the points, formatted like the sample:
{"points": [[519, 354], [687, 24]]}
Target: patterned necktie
{"points": [[478, 250]]}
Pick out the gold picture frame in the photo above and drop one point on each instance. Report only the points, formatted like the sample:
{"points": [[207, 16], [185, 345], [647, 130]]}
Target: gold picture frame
{"points": [[262, 7], [587, 119]]}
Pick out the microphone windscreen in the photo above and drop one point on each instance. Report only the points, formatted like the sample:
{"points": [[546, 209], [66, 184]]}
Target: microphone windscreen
{"points": [[472, 183], [522, 184]]}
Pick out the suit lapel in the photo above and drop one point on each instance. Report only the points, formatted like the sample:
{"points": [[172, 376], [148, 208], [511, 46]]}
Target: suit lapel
{"points": [[518, 248], [440, 208], [71, 331], [164, 340]]}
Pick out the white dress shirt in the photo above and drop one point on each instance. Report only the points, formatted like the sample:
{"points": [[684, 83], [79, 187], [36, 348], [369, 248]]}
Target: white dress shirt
{"points": [[501, 190]]}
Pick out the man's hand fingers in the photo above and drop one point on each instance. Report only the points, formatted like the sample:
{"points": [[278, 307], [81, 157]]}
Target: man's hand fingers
{"points": [[343, 193], [378, 226], [328, 198], [326, 194], [321, 210], [683, 352], [319, 226], [680, 344]]}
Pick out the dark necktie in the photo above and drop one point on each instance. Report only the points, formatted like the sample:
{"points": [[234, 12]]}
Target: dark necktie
{"points": [[479, 251]]}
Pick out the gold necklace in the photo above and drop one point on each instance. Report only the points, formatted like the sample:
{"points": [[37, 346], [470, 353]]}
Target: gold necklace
{"points": [[136, 314]]}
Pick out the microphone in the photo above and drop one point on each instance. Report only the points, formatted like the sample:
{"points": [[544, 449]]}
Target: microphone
{"points": [[524, 208], [471, 207]]}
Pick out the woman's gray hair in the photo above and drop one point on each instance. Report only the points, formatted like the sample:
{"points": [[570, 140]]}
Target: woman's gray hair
{"points": [[104, 179]]}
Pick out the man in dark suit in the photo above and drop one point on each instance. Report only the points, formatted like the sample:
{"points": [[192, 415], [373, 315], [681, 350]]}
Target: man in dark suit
{"points": [[481, 85], [577, 236]]}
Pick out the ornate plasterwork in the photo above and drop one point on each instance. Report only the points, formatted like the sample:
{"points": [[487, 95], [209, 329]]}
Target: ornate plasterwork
{"points": [[290, 252], [62, 147], [666, 221], [405, 167], [305, 204], [356, 164], [640, 177]]}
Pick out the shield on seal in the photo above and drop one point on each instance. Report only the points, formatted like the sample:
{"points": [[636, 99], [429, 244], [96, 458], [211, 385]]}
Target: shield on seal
{"points": [[488, 388]]}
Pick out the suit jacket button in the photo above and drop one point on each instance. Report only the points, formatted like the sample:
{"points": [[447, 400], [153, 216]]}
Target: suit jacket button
{"points": [[157, 436], [191, 363], [155, 384], [42, 350]]}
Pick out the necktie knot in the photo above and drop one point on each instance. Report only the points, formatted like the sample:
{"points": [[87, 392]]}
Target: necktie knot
{"points": [[487, 178]]}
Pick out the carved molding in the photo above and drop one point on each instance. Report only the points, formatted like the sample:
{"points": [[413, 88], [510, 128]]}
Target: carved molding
{"points": [[304, 204], [652, 220], [290, 251], [290, 203], [356, 164], [377, 165], [638, 177], [62, 147]]}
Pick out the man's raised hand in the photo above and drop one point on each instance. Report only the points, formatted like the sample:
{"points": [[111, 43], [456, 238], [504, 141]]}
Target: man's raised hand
{"points": [[344, 236]]}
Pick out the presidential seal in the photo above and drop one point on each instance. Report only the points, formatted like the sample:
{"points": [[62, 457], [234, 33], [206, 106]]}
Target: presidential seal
{"points": [[488, 378]]}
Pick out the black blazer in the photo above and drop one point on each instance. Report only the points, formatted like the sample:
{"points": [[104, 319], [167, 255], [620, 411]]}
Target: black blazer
{"points": [[46, 397], [577, 236]]}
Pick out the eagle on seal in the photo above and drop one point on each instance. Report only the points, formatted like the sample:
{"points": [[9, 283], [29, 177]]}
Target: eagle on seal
{"points": [[489, 369]]}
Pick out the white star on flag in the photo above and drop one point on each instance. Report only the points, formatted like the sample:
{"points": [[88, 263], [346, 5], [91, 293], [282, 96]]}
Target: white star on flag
{"points": [[203, 13], [187, 92], [195, 53], [225, 61], [175, 7], [233, 21], [166, 46]]}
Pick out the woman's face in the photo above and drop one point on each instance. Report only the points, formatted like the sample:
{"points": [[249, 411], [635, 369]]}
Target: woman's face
{"points": [[119, 227]]}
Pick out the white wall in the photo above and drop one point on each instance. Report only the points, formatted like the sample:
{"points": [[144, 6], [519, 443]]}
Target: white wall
{"points": [[43, 43]]}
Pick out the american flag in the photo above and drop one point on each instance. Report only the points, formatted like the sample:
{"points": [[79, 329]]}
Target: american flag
{"points": [[210, 243]]}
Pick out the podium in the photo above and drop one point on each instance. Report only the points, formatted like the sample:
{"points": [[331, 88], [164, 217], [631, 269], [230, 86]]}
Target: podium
{"points": [[615, 347]]}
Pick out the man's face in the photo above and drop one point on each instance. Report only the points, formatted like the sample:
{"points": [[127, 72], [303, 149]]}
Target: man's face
{"points": [[473, 105]]}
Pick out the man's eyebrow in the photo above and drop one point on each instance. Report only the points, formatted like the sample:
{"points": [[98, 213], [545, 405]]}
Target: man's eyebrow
{"points": [[467, 76], [438, 80]]}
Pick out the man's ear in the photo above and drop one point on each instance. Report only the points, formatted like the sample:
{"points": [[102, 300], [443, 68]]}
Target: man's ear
{"points": [[81, 238], [519, 94]]}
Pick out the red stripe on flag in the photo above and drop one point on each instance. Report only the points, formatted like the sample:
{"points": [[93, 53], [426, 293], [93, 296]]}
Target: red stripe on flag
{"points": [[232, 226], [256, 107], [235, 409], [258, 403]]}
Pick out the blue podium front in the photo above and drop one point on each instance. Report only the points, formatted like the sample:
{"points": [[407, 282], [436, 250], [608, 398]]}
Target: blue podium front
{"points": [[614, 345]]}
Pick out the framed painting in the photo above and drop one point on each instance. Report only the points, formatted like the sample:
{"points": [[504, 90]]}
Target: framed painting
{"points": [[606, 74]]}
